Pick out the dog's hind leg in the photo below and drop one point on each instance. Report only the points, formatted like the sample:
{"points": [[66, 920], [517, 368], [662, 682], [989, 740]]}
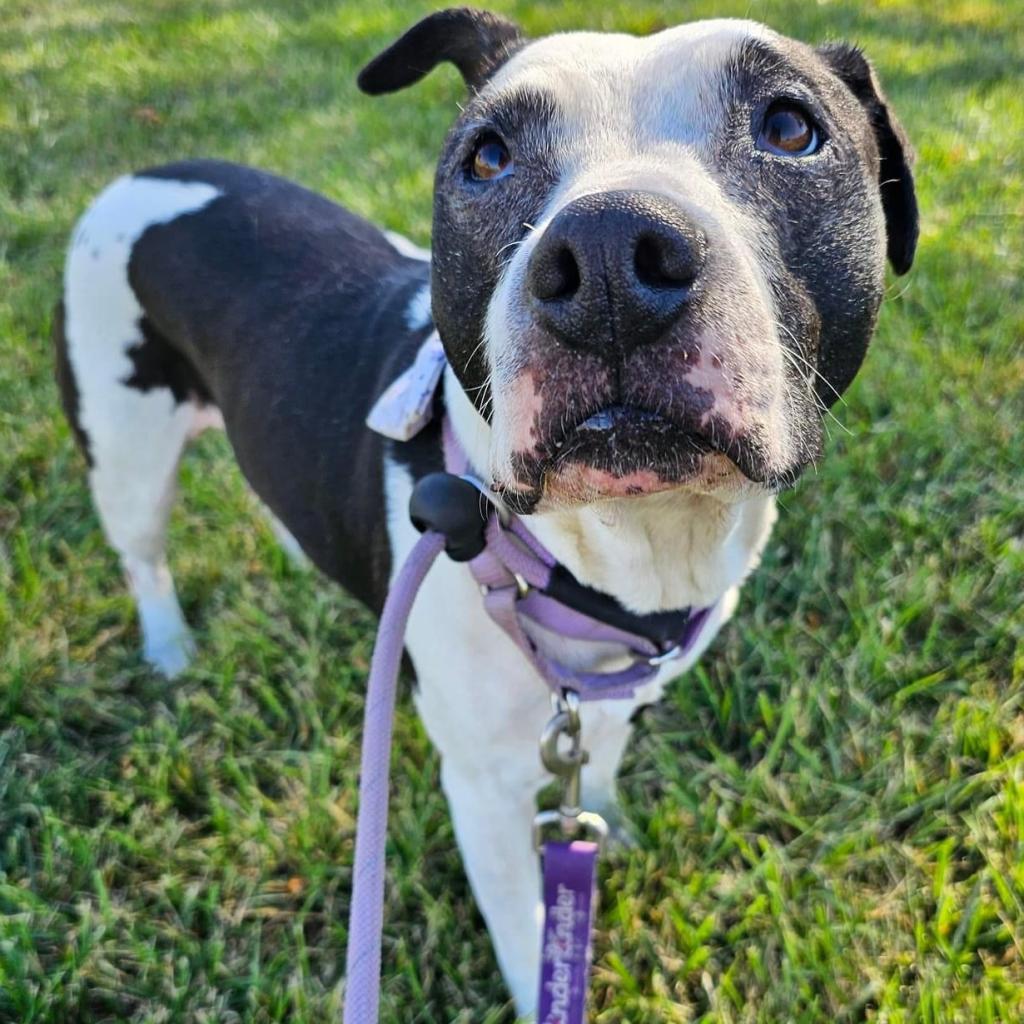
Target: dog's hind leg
{"points": [[133, 401], [133, 490], [133, 442]]}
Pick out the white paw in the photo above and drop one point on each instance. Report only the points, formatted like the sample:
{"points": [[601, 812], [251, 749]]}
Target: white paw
{"points": [[170, 656]]}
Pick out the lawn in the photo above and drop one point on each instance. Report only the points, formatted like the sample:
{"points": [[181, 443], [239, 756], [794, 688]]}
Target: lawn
{"points": [[829, 810]]}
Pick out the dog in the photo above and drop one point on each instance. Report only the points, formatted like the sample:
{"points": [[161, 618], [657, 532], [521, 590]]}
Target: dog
{"points": [[656, 263]]}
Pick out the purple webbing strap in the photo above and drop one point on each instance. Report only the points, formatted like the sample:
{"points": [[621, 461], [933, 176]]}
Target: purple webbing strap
{"points": [[511, 553], [501, 603], [366, 915], [569, 880]]}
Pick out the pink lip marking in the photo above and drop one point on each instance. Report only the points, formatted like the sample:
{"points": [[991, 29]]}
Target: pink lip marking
{"points": [[579, 480], [708, 371], [525, 403]]}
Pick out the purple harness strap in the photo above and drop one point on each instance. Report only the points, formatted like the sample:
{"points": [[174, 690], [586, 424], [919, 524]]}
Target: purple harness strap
{"points": [[510, 560], [513, 570]]}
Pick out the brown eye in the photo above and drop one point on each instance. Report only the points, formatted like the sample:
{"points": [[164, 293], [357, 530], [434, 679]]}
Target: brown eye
{"points": [[490, 159], [788, 131]]}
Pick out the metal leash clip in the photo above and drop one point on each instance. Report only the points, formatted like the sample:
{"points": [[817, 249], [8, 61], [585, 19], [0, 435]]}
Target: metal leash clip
{"points": [[566, 763]]}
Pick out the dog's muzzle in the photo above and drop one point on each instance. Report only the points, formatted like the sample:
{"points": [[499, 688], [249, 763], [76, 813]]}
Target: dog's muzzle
{"points": [[641, 354]]}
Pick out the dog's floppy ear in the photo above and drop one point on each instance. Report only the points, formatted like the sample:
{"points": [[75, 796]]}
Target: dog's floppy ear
{"points": [[896, 156], [476, 42]]}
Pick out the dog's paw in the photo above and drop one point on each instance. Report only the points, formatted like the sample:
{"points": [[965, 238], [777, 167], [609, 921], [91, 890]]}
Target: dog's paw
{"points": [[171, 655]]}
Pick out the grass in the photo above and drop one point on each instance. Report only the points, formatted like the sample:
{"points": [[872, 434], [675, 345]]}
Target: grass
{"points": [[830, 808]]}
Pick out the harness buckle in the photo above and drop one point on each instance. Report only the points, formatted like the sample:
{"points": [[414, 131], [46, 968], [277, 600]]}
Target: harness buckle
{"points": [[522, 586]]}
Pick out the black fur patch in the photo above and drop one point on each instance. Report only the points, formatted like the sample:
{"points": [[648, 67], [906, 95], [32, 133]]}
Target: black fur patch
{"points": [[158, 365], [895, 179], [476, 42], [821, 214], [478, 224], [66, 383], [289, 314]]}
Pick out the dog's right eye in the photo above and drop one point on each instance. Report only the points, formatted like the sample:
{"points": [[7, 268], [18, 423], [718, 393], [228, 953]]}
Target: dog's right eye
{"points": [[788, 130], [489, 160]]}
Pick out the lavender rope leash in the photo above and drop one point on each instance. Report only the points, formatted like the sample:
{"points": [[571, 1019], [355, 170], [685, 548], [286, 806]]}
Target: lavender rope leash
{"points": [[366, 916], [569, 867], [516, 575]]}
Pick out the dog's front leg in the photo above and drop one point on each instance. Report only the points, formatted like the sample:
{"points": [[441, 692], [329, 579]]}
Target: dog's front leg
{"points": [[493, 802]]}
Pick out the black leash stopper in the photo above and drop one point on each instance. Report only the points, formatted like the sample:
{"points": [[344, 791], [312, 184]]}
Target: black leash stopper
{"points": [[453, 507]]}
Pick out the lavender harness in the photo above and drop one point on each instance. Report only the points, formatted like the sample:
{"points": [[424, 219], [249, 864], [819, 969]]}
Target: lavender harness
{"points": [[521, 582]]}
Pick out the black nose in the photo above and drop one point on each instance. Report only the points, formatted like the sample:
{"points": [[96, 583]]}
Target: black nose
{"points": [[615, 269]]}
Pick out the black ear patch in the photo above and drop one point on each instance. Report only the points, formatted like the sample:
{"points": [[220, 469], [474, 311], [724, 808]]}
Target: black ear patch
{"points": [[895, 179], [476, 42]]}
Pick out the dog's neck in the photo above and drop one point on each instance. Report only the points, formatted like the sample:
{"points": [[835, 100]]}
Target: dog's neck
{"points": [[658, 552]]}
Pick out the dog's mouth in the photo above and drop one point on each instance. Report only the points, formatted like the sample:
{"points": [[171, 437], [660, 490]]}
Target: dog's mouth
{"points": [[623, 451], [627, 434]]}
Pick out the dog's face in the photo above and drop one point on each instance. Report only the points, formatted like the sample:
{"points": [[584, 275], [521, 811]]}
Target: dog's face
{"points": [[656, 261]]}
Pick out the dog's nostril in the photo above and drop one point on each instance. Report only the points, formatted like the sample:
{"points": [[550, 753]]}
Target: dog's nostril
{"points": [[567, 275], [558, 277], [647, 263], [657, 265]]}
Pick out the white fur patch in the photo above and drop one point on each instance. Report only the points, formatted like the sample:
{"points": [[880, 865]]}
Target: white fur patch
{"points": [[135, 437], [417, 314], [101, 310], [407, 247], [619, 95]]}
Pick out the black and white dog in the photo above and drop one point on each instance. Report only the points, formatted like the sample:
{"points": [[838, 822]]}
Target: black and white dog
{"points": [[656, 263]]}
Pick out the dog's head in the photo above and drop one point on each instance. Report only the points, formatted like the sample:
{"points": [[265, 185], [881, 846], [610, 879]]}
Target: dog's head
{"points": [[656, 261]]}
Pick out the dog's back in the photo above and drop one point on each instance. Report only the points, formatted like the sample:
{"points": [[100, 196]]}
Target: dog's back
{"points": [[203, 293]]}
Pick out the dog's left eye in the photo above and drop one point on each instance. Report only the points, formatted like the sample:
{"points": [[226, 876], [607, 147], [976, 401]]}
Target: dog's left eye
{"points": [[788, 130], [490, 159]]}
